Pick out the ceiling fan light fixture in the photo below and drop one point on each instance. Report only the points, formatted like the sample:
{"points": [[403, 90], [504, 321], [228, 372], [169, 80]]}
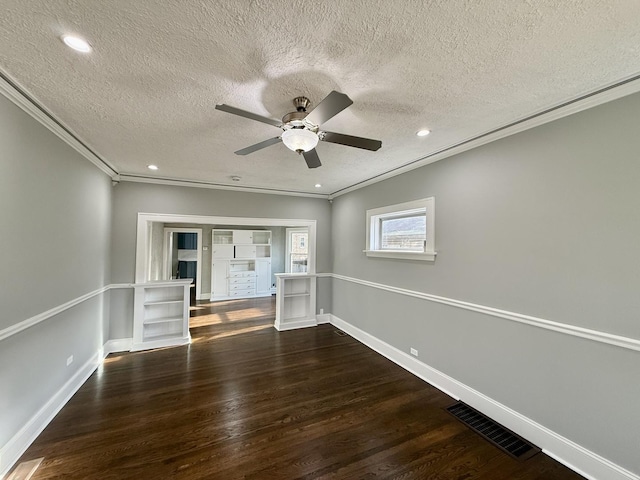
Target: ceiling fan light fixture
{"points": [[299, 139]]}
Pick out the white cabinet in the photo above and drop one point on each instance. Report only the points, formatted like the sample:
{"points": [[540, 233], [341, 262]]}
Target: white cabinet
{"points": [[243, 237], [241, 266], [161, 314], [222, 251], [245, 251], [295, 301], [220, 278], [263, 276]]}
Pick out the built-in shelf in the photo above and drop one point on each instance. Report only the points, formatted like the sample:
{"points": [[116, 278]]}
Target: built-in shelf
{"points": [[305, 294], [161, 314], [295, 301]]}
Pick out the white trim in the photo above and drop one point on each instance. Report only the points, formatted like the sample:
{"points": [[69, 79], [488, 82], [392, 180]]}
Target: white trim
{"points": [[41, 317], [375, 217], [607, 94], [142, 257], [18, 444], [576, 457], [168, 247], [116, 345], [30, 107], [289, 325], [323, 318], [612, 92], [398, 255], [169, 342], [595, 335], [287, 253], [130, 177]]}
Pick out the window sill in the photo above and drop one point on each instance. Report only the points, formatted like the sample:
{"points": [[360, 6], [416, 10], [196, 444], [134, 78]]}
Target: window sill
{"points": [[424, 256]]}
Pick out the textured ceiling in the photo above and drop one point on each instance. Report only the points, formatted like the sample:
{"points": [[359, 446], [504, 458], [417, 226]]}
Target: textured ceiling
{"points": [[147, 92]]}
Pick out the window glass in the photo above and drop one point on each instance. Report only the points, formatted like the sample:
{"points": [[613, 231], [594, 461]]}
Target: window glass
{"points": [[405, 233]]}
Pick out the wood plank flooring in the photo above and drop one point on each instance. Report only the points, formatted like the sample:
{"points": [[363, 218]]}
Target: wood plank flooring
{"points": [[245, 401]]}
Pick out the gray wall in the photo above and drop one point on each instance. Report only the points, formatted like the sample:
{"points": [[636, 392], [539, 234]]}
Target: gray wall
{"points": [[131, 198], [54, 247], [544, 223]]}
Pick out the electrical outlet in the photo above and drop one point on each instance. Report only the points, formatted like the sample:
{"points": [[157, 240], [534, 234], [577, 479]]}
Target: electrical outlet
{"points": [[69, 360], [322, 311], [414, 352]]}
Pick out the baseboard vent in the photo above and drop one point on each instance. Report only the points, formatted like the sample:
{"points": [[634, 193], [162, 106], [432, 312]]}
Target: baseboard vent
{"points": [[339, 333], [500, 436], [25, 470]]}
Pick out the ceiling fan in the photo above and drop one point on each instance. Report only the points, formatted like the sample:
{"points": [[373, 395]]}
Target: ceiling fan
{"points": [[301, 129]]}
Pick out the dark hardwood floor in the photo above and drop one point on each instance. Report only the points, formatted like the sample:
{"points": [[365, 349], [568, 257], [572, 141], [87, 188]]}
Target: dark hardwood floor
{"points": [[246, 401]]}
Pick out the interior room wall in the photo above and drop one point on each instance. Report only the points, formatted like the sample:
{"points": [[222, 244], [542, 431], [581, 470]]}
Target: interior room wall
{"points": [[55, 212], [544, 223], [131, 198]]}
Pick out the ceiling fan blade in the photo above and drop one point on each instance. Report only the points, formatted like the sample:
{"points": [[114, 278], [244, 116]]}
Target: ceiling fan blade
{"points": [[312, 159], [258, 146], [350, 141], [252, 116], [330, 106]]}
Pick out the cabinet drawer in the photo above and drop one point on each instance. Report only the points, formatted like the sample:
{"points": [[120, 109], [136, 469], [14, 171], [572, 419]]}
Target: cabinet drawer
{"points": [[242, 274], [242, 286], [243, 292], [234, 280]]}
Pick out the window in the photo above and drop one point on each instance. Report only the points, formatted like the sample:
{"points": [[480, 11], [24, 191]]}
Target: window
{"points": [[297, 250], [406, 230]]}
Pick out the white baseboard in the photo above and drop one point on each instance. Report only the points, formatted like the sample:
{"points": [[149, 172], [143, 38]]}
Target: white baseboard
{"points": [[117, 345], [170, 342], [281, 327], [574, 456], [323, 318], [11, 452], [14, 448]]}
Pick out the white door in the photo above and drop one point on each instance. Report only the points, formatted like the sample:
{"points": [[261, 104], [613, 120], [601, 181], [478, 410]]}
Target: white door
{"points": [[220, 279], [263, 276]]}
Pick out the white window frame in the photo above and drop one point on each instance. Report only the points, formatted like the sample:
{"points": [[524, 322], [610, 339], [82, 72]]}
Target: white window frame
{"points": [[375, 215], [289, 232]]}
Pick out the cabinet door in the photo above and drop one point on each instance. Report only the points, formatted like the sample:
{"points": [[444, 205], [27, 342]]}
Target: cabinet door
{"points": [[222, 251], [243, 236], [263, 276], [245, 251], [219, 279]]}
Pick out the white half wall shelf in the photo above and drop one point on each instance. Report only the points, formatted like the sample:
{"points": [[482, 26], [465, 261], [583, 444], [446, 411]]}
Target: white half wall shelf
{"points": [[295, 301], [161, 314]]}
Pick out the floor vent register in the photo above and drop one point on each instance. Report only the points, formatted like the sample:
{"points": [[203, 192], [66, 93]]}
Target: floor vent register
{"points": [[500, 436]]}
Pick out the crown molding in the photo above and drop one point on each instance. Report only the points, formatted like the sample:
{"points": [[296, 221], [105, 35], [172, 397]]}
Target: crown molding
{"points": [[28, 104], [603, 95], [129, 177]]}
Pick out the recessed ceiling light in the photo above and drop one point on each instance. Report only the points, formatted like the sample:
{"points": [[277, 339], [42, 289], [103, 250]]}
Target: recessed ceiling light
{"points": [[152, 167], [423, 133], [318, 185], [76, 43]]}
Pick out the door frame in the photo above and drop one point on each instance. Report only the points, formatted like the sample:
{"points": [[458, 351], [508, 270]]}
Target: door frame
{"points": [[145, 221], [168, 247]]}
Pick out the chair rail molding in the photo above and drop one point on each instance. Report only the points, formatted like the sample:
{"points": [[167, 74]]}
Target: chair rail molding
{"points": [[567, 329], [52, 312]]}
